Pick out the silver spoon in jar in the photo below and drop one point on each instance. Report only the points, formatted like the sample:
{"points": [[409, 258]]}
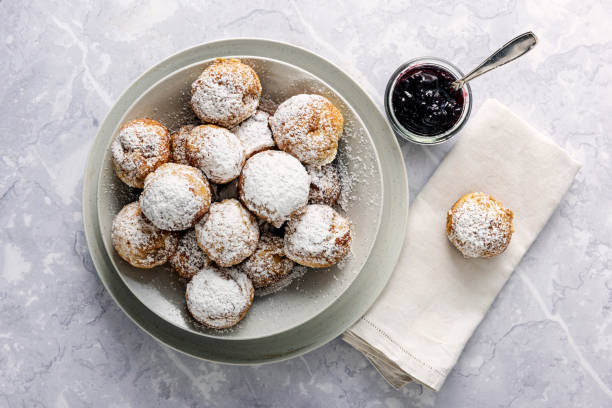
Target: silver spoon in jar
{"points": [[509, 52]]}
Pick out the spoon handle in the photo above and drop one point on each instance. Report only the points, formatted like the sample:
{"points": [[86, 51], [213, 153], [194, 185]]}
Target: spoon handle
{"points": [[509, 52]]}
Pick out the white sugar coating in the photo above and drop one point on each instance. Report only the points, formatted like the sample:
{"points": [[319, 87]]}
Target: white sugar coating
{"points": [[479, 226], [189, 257], [175, 196], [324, 184], [255, 134], [219, 298], [347, 179], [228, 233], [226, 93], [138, 241], [317, 237], [140, 146], [179, 142], [305, 126], [217, 152], [268, 264], [357, 167], [274, 185], [170, 204], [137, 137]]}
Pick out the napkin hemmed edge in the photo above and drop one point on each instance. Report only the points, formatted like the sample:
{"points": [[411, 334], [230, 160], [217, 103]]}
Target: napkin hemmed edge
{"points": [[395, 363], [390, 371]]}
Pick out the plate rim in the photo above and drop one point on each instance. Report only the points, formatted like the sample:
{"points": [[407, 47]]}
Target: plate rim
{"points": [[158, 329]]}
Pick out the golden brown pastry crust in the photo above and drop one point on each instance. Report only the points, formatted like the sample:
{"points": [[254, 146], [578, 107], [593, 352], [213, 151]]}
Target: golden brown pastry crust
{"points": [[308, 127], [268, 264], [138, 241], [178, 141], [189, 258], [479, 226], [141, 146], [226, 93], [318, 237], [324, 184]]}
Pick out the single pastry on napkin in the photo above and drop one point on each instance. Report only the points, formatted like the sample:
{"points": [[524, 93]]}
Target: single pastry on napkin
{"points": [[436, 298]]}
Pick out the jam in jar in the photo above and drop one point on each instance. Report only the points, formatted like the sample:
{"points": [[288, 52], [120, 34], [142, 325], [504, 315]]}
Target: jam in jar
{"points": [[422, 104]]}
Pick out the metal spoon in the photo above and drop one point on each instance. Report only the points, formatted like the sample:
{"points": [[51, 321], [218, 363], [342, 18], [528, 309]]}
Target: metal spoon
{"points": [[509, 52]]}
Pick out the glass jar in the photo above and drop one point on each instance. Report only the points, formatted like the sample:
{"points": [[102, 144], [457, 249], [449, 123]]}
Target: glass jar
{"points": [[430, 135]]}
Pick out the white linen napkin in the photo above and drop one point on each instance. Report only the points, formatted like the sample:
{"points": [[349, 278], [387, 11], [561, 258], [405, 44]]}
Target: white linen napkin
{"points": [[435, 298]]}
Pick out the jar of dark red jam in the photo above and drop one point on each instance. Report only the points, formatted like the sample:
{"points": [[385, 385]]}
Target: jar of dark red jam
{"points": [[421, 104]]}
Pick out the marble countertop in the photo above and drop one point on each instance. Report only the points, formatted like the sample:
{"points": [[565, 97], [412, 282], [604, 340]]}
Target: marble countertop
{"points": [[547, 340]]}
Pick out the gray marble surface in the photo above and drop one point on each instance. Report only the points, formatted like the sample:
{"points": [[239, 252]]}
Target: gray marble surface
{"points": [[547, 340]]}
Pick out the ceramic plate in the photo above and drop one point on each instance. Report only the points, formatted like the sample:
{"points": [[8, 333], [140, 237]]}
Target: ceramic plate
{"points": [[320, 305]]}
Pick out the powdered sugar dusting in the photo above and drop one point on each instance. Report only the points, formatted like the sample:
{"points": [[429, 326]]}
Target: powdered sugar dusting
{"points": [[179, 144], [317, 237], [228, 233], [479, 226], [138, 241], [255, 134], [226, 93], [189, 257], [217, 152], [305, 126], [219, 298], [140, 146], [175, 197], [274, 185], [346, 185], [268, 264], [356, 166], [324, 184]]}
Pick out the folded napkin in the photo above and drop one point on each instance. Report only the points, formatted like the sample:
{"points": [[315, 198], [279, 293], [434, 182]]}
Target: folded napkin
{"points": [[435, 298]]}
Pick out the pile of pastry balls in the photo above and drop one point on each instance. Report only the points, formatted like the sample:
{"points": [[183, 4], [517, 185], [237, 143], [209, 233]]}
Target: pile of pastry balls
{"points": [[234, 203]]}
